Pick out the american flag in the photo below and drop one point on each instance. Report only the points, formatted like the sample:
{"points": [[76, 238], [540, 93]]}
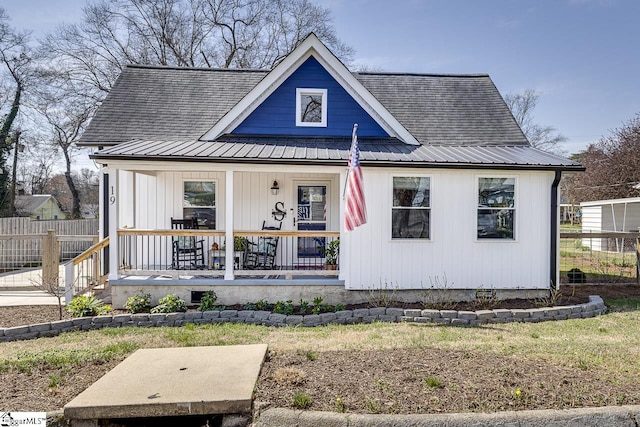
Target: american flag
{"points": [[355, 208]]}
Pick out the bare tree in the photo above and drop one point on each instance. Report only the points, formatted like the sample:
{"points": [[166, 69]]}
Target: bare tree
{"points": [[15, 60], [83, 61], [612, 166], [540, 136], [189, 33], [37, 164], [67, 123]]}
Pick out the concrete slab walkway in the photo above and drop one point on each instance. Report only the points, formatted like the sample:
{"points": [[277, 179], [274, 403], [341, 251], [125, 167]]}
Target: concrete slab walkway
{"points": [[19, 288], [173, 382], [26, 297]]}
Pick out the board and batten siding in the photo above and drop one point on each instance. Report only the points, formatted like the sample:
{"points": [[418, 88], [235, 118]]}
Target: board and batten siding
{"points": [[159, 197], [277, 114], [453, 256]]}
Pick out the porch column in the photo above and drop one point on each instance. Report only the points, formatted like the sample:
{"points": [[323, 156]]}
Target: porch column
{"points": [[112, 198], [229, 252]]}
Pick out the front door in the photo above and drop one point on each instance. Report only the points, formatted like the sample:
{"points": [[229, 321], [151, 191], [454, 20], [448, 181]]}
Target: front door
{"points": [[311, 215]]}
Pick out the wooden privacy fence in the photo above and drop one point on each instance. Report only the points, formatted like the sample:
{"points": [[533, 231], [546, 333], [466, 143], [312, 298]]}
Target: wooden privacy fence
{"points": [[21, 240]]}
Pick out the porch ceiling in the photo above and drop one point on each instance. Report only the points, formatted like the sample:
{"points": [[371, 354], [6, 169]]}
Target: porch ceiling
{"points": [[304, 150]]}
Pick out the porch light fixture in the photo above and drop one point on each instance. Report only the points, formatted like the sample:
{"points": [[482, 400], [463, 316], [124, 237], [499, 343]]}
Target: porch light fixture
{"points": [[275, 188]]}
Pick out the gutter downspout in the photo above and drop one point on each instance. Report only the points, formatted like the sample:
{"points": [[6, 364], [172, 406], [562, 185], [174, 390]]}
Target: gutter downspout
{"points": [[553, 270]]}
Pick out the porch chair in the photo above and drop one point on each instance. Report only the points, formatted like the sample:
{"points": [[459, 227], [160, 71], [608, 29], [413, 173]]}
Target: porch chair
{"points": [[188, 251], [262, 255]]}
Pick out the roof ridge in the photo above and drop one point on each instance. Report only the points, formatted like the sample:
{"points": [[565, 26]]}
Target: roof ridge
{"points": [[179, 68], [399, 73]]}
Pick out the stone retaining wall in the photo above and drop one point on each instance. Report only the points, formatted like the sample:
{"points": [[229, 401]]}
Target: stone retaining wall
{"points": [[594, 307]]}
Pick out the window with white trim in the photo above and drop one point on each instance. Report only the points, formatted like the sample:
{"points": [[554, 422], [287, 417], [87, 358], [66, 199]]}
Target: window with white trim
{"points": [[311, 107], [200, 202], [411, 210], [496, 208]]}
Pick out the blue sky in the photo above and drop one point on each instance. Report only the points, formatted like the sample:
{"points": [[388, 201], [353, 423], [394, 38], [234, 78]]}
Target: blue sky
{"points": [[583, 56]]}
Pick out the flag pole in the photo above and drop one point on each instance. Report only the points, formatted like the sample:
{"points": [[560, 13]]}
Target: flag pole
{"points": [[353, 137]]}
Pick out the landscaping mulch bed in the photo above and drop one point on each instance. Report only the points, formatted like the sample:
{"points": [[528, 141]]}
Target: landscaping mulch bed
{"points": [[29, 315]]}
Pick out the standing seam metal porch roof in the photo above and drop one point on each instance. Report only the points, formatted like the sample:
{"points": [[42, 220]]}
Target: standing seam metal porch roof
{"points": [[373, 152]]}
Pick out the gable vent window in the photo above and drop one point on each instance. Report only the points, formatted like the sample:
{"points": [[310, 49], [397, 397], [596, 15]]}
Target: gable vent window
{"points": [[311, 107]]}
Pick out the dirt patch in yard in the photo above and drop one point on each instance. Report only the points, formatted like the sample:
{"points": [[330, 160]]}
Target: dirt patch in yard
{"points": [[430, 380]]}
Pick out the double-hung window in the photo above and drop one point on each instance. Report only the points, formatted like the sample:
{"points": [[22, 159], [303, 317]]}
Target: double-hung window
{"points": [[411, 211], [200, 202], [496, 208]]}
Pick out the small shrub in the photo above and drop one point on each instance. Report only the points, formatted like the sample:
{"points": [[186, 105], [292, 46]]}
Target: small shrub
{"points": [[263, 305], [250, 306], [384, 295], [339, 404], [319, 307], [485, 299], [85, 305], [208, 300], [301, 400], [551, 300], [286, 308], [339, 307], [304, 306], [171, 303], [437, 296], [139, 303]]}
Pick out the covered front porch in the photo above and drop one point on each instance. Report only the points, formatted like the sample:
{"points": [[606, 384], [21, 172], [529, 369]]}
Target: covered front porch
{"points": [[173, 222]]}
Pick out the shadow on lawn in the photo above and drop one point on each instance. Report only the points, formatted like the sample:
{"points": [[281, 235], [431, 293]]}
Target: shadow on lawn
{"points": [[623, 304]]}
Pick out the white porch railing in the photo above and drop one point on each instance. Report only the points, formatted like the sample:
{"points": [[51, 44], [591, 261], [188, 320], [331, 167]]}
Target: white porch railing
{"points": [[179, 253]]}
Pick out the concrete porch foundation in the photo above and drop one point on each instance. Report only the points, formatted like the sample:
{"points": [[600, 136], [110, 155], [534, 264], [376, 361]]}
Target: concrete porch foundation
{"points": [[234, 292]]}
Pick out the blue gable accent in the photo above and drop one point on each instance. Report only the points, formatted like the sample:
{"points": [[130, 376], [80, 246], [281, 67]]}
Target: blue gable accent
{"points": [[277, 114]]}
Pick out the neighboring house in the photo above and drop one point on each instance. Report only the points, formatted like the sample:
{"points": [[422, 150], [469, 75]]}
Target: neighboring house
{"points": [[39, 207], [89, 211], [456, 196], [617, 215]]}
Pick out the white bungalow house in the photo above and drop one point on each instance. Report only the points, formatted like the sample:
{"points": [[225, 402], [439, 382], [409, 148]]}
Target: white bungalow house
{"points": [[456, 196]]}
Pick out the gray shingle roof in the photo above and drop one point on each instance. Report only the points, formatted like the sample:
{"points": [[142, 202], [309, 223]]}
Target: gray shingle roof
{"points": [[182, 103], [29, 204], [446, 109], [330, 151], [161, 112], [167, 103]]}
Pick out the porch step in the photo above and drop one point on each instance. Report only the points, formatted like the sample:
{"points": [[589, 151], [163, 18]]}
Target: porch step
{"points": [[172, 382]]}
